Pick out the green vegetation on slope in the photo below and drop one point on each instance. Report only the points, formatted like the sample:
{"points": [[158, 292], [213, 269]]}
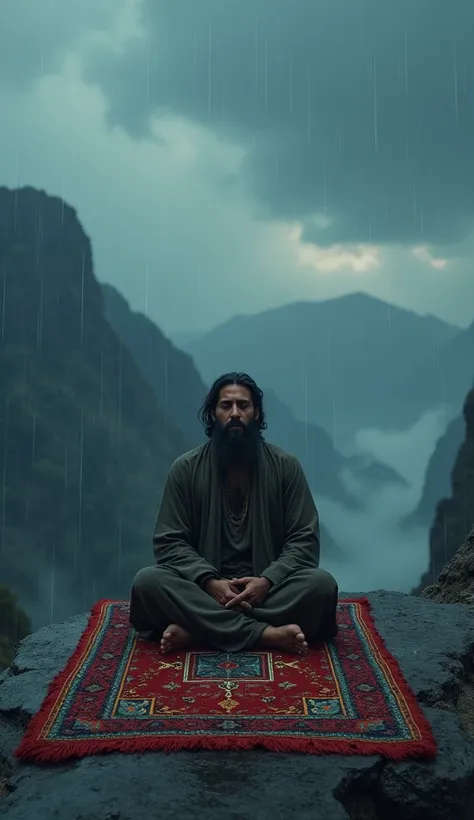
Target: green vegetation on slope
{"points": [[14, 625]]}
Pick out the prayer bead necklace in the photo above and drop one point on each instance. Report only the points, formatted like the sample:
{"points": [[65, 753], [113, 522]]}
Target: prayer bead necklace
{"points": [[239, 519]]}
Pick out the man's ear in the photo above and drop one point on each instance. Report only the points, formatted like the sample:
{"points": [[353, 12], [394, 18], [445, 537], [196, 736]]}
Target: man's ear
{"points": [[257, 414]]}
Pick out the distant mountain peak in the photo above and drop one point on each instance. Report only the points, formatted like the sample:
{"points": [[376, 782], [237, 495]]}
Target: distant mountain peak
{"points": [[356, 301]]}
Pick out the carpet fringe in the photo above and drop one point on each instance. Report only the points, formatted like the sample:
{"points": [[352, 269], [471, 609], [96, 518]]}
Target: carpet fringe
{"points": [[60, 752]]}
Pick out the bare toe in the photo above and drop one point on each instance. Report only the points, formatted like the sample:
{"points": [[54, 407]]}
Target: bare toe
{"points": [[174, 637]]}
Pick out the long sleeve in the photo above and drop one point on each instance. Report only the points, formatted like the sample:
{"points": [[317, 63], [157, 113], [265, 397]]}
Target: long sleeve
{"points": [[172, 536], [301, 548]]}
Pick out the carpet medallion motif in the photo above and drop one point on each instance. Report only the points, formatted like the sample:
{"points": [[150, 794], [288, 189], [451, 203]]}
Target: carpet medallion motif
{"points": [[119, 693]]}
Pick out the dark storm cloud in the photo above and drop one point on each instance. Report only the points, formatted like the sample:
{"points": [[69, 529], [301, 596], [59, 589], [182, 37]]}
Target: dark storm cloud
{"points": [[359, 108]]}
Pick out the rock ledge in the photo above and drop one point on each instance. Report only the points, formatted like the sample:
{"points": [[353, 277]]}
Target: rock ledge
{"points": [[434, 644]]}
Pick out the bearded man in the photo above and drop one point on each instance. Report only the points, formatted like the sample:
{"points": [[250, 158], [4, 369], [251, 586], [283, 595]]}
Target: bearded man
{"points": [[236, 541]]}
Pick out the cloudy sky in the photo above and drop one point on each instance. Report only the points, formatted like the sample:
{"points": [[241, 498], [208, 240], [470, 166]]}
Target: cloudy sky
{"points": [[226, 156]]}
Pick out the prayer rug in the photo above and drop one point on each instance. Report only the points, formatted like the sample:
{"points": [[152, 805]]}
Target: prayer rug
{"points": [[119, 693]]}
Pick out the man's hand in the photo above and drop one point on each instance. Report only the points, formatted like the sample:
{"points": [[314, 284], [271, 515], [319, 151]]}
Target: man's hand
{"points": [[224, 592], [255, 591]]}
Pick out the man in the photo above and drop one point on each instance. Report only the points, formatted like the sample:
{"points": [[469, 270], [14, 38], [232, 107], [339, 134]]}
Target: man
{"points": [[236, 541]]}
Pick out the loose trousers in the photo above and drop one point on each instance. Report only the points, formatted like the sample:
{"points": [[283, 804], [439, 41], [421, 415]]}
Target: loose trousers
{"points": [[161, 597]]}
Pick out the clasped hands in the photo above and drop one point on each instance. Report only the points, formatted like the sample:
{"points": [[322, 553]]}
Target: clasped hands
{"points": [[238, 593]]}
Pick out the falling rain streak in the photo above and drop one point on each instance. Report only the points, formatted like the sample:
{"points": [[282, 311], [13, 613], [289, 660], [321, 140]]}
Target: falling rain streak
{"points": [[80, 485], [455, 83], [4, 473], [406, 62], [120, 387], [4, 299], [209, 72], [309, 107], [375, 102], [83, 263]]}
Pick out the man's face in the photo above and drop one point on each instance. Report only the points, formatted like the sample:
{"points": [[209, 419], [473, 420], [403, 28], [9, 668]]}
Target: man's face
{"points": [[235, 407], [236, 432]]}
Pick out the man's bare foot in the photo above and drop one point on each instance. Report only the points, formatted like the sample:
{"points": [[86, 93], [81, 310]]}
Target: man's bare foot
{"points": [[288, 638], [174, 637]]}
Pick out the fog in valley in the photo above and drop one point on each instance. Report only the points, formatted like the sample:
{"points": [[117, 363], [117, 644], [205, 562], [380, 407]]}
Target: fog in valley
{"points": [[384, 554]]}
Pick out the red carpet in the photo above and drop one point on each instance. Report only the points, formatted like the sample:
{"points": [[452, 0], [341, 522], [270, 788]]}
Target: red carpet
{"points": [[119, 693]]}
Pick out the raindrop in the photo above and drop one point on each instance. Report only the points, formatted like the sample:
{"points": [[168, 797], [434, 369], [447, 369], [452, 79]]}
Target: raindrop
{"points": [[101, 403], [209, 72], [375, 104], [120, 389], [309, 106], [53, 584], [81, 464], [146, 288], [455, 81], [4, 475], [33, 438], [4, 296], [82, 296], [291, 85], [406, 63], [166, 382]]}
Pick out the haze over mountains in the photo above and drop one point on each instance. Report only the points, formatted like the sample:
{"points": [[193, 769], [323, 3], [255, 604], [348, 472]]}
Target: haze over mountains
{"points": [[437, 482], [347, 363]]}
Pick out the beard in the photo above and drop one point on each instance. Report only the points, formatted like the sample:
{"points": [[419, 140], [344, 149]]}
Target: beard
{"points": [[236, 444]]}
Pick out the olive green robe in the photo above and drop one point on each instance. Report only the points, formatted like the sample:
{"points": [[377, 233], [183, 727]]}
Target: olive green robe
{"points": [[283, 530], [282, 516]]}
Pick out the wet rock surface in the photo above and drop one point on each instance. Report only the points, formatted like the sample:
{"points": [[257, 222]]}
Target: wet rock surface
{"points": [[434, 644]]}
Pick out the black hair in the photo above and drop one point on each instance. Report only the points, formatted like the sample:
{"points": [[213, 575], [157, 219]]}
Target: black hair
{"points": [[210, 402]]}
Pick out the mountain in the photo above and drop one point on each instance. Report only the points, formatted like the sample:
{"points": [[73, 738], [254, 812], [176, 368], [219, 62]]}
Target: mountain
{"points": [[454, 515], [312, 446], [438, 474], [82, 446], [345, 364], [178, 386], [172, 374], [455, 365], [185, 340]]}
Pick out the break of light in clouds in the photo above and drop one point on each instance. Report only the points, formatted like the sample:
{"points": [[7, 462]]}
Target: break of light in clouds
{"points": [[424, 255], [360, 259]]}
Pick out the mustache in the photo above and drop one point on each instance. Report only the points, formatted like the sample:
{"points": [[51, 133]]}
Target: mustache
{"points": [[235, 423]]}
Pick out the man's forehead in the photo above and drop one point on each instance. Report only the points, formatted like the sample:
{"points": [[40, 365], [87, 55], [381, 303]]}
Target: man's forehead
{"points": [[234, 391]]}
